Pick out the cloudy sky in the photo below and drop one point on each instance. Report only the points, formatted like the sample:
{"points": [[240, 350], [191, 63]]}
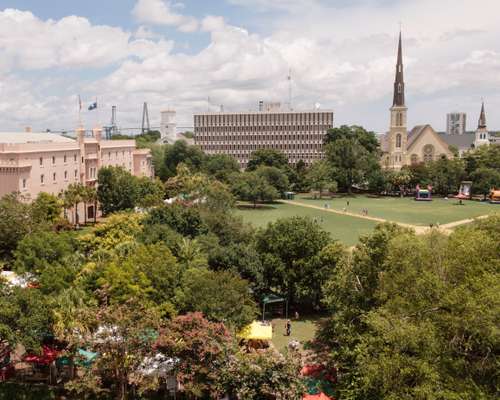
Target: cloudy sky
{"points": [[176, 54]]}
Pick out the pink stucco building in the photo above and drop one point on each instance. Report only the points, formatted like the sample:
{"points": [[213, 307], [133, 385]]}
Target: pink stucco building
{"points": [[31, 163]]}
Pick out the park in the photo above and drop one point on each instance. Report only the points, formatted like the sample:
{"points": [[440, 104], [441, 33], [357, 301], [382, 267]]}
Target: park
{"points": [[343, 216]]}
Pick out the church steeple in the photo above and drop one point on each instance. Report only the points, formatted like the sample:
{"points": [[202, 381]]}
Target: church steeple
{"points": [[399, 84], [482, 118]]}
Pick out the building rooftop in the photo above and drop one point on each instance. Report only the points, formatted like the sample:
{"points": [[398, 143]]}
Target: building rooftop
{"points": [[281, 111], [33, 137]]}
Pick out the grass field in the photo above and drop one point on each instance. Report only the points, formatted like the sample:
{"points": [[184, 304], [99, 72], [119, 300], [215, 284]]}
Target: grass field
{"points": [[342, 227], [408, 210], [303, 330], [348, 229]]}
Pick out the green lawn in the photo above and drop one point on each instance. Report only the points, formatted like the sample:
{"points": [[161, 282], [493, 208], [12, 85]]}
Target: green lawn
{"points": [[408, 210], [303, 330], [342, 227]]}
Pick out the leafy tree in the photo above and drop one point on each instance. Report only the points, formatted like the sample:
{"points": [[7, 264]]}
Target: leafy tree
{"points": [[401, 180], [202, 349], [181, 152], [220, 295], [482, 157], [73, 196], [220, 166], [353, 154], [150, 192], [289, 247], [37, 251], [263, 375], [123, 335], [218, 197], [16, 221], [117, 189], [485, 179], [25, 317], [190, 254], [268, 158], [117, 229], [47, 207], [252, 187], [275, 177], [446, 175], [186, 221], [319, 176]]}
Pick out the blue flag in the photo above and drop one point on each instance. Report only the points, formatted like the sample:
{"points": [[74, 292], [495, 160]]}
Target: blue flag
{"points": [[93, 106]]}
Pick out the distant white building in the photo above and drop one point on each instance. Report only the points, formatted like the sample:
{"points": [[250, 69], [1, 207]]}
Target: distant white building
{"points": [[168, 126], [456, 123]]}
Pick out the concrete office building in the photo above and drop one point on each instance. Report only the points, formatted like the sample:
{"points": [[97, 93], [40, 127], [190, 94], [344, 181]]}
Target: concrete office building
{"points": [[31, 163], [456, 123], [298, 134]]}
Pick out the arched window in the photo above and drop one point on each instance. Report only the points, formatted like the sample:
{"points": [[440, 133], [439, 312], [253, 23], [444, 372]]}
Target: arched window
{"points": [[414, 159], [400, 88], [428, 153], [399, 119], [398, 140]]}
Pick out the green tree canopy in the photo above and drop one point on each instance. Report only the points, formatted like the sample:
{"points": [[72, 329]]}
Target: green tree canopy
{"points": [[268, 158]]}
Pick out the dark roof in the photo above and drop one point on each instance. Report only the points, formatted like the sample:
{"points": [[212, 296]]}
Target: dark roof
{"points": [[414, 133], [462, 142]]}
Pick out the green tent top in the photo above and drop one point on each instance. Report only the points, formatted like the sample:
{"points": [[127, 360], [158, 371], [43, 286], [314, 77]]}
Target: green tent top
{"points": [[272, 298]]}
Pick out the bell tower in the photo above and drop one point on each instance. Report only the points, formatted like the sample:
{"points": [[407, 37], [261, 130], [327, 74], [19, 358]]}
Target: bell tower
{"points": [[482, 135], [398, 133]]}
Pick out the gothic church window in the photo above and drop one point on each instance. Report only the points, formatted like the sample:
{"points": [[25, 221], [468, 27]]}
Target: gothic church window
{"points": [[414, 159], [400, 88], [428, 153], [398, 140]]}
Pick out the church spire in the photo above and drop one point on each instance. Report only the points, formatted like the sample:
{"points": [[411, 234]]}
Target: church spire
{"points": [[399, 84], [482, 118]]}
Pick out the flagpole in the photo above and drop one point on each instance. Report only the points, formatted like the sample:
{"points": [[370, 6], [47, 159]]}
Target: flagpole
{"points": [[80, 112]]}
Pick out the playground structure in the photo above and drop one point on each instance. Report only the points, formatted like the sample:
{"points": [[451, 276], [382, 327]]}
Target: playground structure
{"points": [[465, 192], [423, 194], [495, 196]]}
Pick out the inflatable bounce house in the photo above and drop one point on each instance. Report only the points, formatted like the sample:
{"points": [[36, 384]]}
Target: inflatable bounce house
{"points": [[423, 194], [465, 192], [495, 196]]}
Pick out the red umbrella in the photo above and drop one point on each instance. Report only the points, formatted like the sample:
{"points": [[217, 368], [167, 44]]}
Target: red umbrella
{"points": [[311, 370]]}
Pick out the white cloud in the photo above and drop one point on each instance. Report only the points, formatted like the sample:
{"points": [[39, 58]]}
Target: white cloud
{"points": [[341, 57], [159, 12], [28, 42]]}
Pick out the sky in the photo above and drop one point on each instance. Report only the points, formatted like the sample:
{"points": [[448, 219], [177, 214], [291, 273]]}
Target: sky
{"points": [[194, 55]]}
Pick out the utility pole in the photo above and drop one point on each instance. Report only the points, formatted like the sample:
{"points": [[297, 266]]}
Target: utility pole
{"points": [[145, 119]]}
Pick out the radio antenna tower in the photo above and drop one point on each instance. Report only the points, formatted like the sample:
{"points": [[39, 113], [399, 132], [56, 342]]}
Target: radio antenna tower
{"points": [[145, 119], [289, 78]]}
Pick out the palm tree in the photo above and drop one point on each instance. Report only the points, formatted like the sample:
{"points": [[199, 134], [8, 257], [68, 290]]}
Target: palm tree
{"points": [[89, 195], [72, 197]]}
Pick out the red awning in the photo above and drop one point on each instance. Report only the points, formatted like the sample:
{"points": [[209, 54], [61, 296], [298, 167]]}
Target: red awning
{"points": [[320, 396], [49, 354]]}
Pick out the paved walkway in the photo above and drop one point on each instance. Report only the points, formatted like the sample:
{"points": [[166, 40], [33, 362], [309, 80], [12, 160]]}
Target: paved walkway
{"points": [[446, 228]]}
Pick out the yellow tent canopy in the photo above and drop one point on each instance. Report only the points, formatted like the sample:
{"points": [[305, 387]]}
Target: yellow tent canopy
{"points": [[256, 331]]}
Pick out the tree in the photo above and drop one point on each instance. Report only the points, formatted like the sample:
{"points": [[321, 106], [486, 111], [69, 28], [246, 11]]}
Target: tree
{"points": [[89, 195], [201, 349], [319, 176], [413, 315], [16, 221], [400, 180], [186, 220], [263, 375], [446, 175], [117, 189], [274, 177], [218, 197], [353, 154], [220, 295], [47, 207], [268, 158], [150, 192], [485, 179], [220, 166], [288, 248], [73, 196], [251, 187], [123, 336], [181, 152]]}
